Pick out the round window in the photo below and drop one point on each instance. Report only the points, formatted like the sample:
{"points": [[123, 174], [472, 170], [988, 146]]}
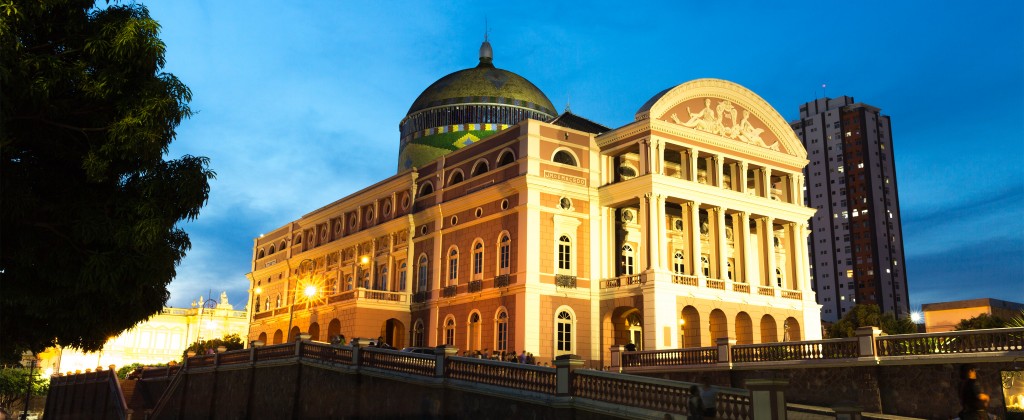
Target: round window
{"points": [[504, 204], [565, 203], [455, 220], [479, 212]]}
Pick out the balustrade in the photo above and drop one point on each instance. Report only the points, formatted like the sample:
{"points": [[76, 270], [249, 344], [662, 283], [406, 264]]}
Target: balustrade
{"points": [[412, 363], [716, 284], [279, 351], [327, 353], [503, 374], [741, 287], [842, 348], [671, 357], [685, 280], [791, 294], [421, 296], [766, 291], [449, 291], [972, 341]]}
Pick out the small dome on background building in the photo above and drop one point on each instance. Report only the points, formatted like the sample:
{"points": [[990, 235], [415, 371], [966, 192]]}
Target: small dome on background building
{"points": [[465, 107]]}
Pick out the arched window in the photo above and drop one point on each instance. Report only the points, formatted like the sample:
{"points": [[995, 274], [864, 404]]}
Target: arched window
{"points": [[728, 269], [272, 250], [259, 254], [480, 168], [455, 178], [283, 244], [348, 282], [564, 157], [266, 306], [382, 278], [506, 158], [563, 333], [402, 276], [421, 277], [478, 260], [778, 277], [417, 334], [705, 265], [474, 332], [277, 304], [449, 331], [504, 249], [453, 266], [501, 331], [365, 282], [426, 189], [679, 263], [564, 254], [627, 260], [257, 303]]}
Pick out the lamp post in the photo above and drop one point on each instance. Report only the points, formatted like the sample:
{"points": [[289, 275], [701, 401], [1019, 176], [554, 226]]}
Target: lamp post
{"points": [[28, 359], [207, 304]]}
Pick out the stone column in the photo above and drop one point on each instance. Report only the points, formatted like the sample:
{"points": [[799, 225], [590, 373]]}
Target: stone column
{"points": [[644, 216], [616, 359], [742, 177], [765, 179], [741, 222], [694, 208], [718, 167], [644, 149], [767, 399], [564, 365], [721, 243], [660, 217], [692, 167], [769, 231]]}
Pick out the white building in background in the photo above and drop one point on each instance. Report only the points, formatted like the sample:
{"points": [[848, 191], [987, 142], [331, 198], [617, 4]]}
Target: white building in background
{"points": [[160, 339]]}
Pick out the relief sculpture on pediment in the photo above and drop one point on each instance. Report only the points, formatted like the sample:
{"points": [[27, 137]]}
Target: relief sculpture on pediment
{"points": [[722, 121]]}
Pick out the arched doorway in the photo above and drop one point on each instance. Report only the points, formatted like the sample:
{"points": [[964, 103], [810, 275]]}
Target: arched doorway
{"points": [[627, 326], [294, 335], [314, 331], [791, 330], [769, 330], [333, 329], [744, 329], [393, 332], [263, 337], [689, 324], [719, 326], [278, 336]]}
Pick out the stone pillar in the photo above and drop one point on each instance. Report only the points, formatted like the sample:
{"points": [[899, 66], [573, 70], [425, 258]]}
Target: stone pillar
{"points": [[564, 365], [798, 194], [847, 412], [721, 243], [644, 149], [866, 337], [660, 217], [767, 399], [616, 360], [769, 237], [718, 167], [725, 351], [742, 177], [440, 353], [743, 265], [766, 182], [694, 208], [644, 216], [653, 231], [692, 166]]}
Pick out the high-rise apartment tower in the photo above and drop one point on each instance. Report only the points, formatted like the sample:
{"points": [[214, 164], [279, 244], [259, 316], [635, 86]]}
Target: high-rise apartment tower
{"points": [[856, 241]]}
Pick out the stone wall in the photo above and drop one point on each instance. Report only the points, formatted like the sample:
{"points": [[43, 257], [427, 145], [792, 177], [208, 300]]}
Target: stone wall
{"points": [[919, 390]]}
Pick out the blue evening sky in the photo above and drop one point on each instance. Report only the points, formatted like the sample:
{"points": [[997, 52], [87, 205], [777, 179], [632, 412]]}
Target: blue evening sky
{"points": [[299, 103]]}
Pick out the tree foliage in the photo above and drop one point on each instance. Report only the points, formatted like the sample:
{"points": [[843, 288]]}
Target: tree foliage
{"points": [[230, 341], [123, 372], [90, 208], [980, 322], [863, 315], [13, 381]]}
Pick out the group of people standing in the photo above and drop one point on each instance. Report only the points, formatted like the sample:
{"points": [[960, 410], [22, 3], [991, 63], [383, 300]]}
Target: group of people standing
{"points": [[510, 356], [700, 403]]}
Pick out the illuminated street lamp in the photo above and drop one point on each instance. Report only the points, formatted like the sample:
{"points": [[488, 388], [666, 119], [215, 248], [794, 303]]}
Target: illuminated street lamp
{"points": [[28, 359], [309, 291]]}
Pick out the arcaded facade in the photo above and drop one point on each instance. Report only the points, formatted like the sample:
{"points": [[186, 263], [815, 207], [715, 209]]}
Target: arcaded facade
{"points": [[561, 237]]}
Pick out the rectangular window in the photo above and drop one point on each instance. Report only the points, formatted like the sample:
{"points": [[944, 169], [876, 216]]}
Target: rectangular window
{"points": [[478, 263], [563, 256], [564, 336], [502, 337]]}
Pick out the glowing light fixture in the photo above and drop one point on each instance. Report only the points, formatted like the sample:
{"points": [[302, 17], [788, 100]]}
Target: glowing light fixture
{"points": [[310, 291]]}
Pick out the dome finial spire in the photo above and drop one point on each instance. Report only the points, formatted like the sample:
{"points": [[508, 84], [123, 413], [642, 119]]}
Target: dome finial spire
{"points": [[486, 54]]}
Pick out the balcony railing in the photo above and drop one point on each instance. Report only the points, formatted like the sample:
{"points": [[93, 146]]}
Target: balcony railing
{"points": [[791, 294], [716, 284], [449, 291], [842, 348], [475, 286], [956, 342], [741, 287], [564, 280], [766, 291], [501, 280], [671, 357], [685, 280], [421, 296]]}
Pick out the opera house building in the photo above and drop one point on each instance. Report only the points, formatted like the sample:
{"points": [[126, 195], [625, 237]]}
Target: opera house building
{"points": [[511, 227]]}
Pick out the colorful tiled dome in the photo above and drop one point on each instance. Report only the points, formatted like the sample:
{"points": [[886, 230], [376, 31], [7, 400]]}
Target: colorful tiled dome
{"points": [[466, 106]]}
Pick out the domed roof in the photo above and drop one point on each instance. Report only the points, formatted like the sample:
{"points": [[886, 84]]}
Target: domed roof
{"points": [[483, 84]]}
